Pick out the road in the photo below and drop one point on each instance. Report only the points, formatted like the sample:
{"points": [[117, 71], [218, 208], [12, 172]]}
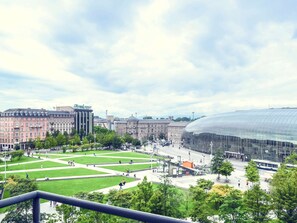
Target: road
{"points": [[237, 177]]}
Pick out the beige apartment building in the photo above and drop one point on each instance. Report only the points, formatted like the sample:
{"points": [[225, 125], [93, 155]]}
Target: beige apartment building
{"points": [[143, 129], [175, 131], [62, 121]]}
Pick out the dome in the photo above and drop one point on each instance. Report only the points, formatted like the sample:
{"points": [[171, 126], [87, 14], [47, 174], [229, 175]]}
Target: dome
{"points": [[265, 124]]}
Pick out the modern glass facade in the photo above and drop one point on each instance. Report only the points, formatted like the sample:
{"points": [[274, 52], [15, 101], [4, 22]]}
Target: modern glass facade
{"points": [[264, 134]]}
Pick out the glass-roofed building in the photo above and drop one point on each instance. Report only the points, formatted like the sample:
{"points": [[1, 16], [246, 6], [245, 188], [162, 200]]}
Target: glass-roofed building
{"points": [[269, 134]]}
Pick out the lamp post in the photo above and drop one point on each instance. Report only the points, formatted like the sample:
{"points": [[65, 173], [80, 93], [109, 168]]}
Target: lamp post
{"points": [[211, 145], [5, 149]]}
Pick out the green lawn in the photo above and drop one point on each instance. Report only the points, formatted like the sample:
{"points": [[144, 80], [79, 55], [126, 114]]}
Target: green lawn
{"points": [[101, 160], [52, 156], [71, 187], [23, 159], [36, 165], [131, 168], [57, 173], [130, 154], [99, 152]]}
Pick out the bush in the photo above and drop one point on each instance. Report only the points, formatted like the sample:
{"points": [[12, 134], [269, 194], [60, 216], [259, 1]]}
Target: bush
{"points": [[64, 148]]}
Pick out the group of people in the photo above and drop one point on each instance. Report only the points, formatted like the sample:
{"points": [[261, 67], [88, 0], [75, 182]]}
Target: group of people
{"points": [[247, 183], [53, 203], [121, 184], [71, 163]]}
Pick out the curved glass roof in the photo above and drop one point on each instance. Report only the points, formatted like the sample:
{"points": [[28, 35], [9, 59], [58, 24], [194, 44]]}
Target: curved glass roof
{"points": [[265, 124]]}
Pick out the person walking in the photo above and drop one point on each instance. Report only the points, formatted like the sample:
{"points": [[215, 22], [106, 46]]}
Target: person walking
{"points": [[121, 185]]}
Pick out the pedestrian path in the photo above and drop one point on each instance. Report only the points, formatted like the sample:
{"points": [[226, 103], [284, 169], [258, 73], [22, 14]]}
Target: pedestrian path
{"points": [[16, 164]]}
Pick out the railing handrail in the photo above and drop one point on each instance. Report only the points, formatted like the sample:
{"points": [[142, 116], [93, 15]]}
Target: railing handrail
{"points": [[103, 208]]}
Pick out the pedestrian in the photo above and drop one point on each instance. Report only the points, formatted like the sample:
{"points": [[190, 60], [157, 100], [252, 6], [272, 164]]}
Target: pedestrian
{"points": [[238, 183], [120, 162], [121, 185], [124, 182], [247, 183], [134, 175]]}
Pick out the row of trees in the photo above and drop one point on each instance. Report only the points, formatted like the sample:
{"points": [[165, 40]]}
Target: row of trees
{"points": [[102, 138], [254, 205], [205, 202]]}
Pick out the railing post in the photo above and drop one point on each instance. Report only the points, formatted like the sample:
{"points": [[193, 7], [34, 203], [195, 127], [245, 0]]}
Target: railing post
{"points": [[36, 210]]}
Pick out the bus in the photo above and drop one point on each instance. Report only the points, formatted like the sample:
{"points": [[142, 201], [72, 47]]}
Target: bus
{"points": [[269, 165]]}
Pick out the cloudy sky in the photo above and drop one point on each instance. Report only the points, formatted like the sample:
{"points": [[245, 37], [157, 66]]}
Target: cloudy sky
{"points": [[158, 57]]}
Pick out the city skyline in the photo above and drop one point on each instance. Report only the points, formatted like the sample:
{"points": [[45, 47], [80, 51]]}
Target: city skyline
{"points": [[156, 58]]}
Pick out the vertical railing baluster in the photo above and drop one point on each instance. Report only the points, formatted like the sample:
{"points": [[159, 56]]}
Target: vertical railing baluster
{"points": [[36, 210]]}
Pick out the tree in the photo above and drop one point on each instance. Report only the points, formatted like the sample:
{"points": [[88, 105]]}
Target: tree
{"points": [[128, 138], [142, 196], [136, 142], [292, 159], [182, 119], [38, 143], [55, 133], [121, 198], [217, 195], [252, 172], [90, 137], [258, 204], [82, 133], [101, 130], [66, 135], [201, 209], [76, 140], [85, 140], [21, 212], [232, 210], [226, 169], [17, 154], [217, 162], [166, 200], [116, 141], [205, 184], [61, 139], [284, 194]]}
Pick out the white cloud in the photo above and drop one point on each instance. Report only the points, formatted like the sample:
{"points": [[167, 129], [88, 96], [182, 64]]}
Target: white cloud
{"points": [[165, 59]]}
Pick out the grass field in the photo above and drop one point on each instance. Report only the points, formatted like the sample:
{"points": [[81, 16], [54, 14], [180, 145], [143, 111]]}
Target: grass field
{"points": [[71, 187], [130, 154], [131, 168], [36, 165], [52, 156], [99, 152], [102, 160], [24, 159], [57, 173]]}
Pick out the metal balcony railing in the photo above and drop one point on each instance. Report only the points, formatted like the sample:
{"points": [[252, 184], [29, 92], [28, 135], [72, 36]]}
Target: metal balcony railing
{"points": [[103, 208]]}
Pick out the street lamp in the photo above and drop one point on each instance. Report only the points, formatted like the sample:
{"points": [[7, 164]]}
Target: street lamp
{"points": [[211, 144], [5, 149]]}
